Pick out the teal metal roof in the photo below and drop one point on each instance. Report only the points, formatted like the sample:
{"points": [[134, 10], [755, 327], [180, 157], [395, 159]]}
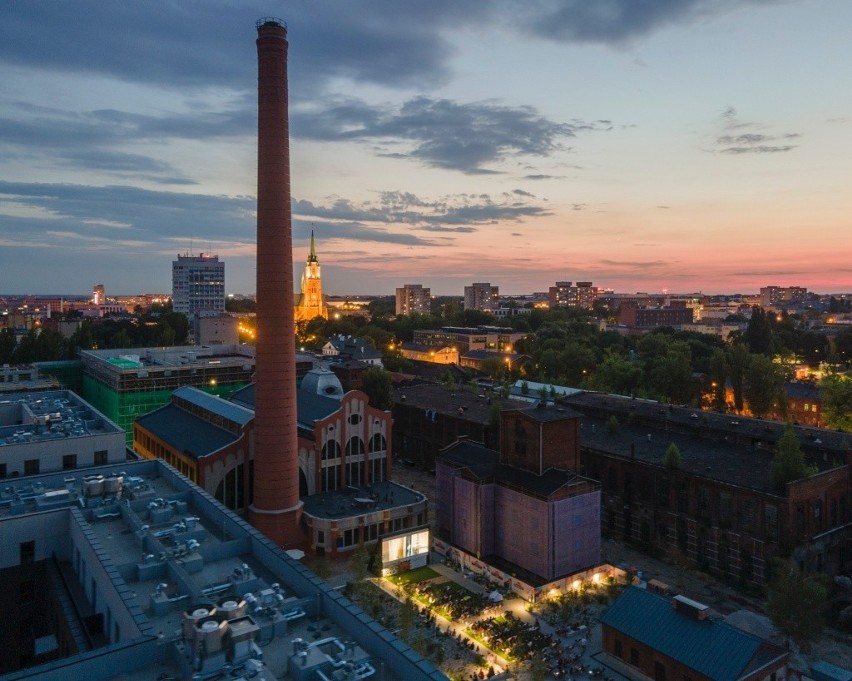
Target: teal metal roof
{"points": [[216, 405], [712, 648]]}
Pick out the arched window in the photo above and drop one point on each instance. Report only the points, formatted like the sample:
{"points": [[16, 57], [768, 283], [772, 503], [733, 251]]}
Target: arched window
{"points": [[331, 450], [378, 443], [355, 446]]}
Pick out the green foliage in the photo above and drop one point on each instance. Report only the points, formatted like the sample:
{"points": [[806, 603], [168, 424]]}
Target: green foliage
{"points": [[788, 463], [836, 393], [525, 388], [612, 425], [738, 361], [763, 384], [379, 388], [758, 334], [795, 601], [672, 458]]}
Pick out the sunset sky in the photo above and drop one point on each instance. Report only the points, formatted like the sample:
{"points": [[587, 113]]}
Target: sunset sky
{"points": [[688, 145]]}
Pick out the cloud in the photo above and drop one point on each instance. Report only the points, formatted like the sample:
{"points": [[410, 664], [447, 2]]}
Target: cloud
{"points": [[739, 137], [613, 21], [646, 264], [441, 133]]}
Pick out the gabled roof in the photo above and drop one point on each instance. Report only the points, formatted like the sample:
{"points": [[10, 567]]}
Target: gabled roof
{"points": [[187, 433], [229, 410], [717, 650]]}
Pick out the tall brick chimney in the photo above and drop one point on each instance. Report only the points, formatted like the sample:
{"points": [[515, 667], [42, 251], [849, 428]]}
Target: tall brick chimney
{"points": [[276, 509]]}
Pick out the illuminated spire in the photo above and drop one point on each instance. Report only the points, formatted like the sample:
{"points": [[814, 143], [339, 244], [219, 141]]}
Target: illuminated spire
{"points": [[312, 255]]}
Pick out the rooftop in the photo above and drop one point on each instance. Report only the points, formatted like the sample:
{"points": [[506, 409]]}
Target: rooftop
{"points": [[712, 648], [379, 496], [475, 406], [162, 551], [51, 415]]}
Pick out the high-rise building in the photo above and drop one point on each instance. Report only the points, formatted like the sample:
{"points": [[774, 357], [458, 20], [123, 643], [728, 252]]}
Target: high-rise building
{"points": [[481, 296], [98, 295], [198, 284], [565, 294], [413, 299], [311, 303]]}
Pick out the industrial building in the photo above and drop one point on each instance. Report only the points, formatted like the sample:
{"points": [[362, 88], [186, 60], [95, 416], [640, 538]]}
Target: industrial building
{"points": [[45, 432], [523, 508], [131, 569]]}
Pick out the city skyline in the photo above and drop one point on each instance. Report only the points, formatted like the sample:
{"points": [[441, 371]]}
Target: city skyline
{"points": [[683, 146]]}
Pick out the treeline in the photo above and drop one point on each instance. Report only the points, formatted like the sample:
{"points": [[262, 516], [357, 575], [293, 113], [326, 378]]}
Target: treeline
{"points": [[43, 345]]}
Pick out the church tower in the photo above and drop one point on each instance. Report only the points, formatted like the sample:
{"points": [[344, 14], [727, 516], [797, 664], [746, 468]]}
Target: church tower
{"points": [[310, 301]]}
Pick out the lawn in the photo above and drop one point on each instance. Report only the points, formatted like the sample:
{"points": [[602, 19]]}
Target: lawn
{"points": [[420, 574]]}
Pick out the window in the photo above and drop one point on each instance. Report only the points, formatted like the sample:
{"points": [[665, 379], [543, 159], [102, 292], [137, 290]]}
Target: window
{"points": [[101, 457], [27, 552], [320, 537], [634, 657], [619, 648], [3, 470], [659, 671], [69, 461], [31, 466]]}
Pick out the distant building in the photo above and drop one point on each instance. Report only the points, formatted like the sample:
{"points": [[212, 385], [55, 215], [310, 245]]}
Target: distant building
{"points": [[198, 285], [464, 339], [429, 353], [98, 295], [481, 296], [310, 303], [779, 296], [676, 638], [413, 299], [344, 348], [633, 316], [567, 294]]}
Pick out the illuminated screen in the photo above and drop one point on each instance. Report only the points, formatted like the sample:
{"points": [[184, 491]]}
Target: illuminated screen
{"points": [[405, 546]]}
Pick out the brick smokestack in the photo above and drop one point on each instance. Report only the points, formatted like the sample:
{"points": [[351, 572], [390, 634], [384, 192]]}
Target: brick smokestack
{"points": [[276, 509]]}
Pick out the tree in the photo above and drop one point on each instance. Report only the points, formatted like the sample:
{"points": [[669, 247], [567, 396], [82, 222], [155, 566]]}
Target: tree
{"points": [[788, 463], [379, 388], [8, 343], [406, 617], [617, 374], [762, 384], [795, 601], [758, 334], [672, 457], [836, 393], [737, 364], [718, 377]]}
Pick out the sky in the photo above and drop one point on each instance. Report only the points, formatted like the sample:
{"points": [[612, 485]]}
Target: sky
{"points": [[643, 145]]}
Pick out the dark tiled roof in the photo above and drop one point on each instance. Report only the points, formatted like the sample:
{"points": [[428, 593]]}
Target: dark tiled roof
{"points": [[185, 432], [476, 406], [351, 501], [484, 463], [715, 649], [309, 407], [549, 413]]}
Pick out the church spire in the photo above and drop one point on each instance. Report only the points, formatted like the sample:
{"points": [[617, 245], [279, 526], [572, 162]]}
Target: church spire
{"points": [[312, 255]]}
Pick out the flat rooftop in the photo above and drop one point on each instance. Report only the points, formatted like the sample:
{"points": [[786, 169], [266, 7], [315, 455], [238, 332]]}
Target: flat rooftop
{"points": [[49, 415], [352, 501], [461, 402], [168, 550]]}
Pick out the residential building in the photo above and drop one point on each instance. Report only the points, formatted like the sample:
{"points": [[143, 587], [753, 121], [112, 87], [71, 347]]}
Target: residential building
{"points": [[781, 296], [481, 296], [677, 638], [311, 303], [566, 294], [198, 285], [343, 348], [633, 316], [413, 299]]}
